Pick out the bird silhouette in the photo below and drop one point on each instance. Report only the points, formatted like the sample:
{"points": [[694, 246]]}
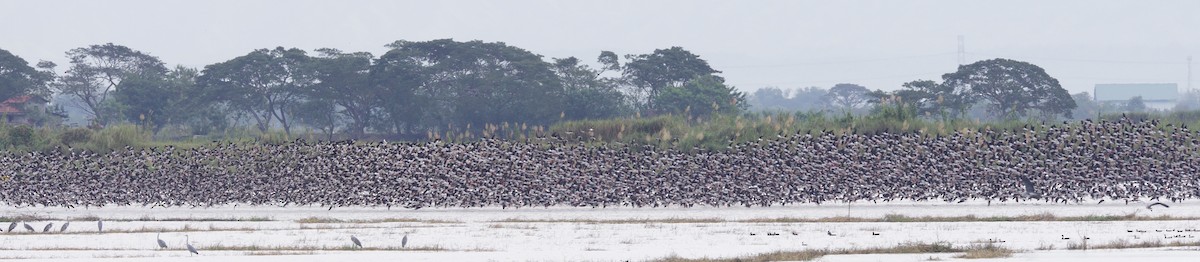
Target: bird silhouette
{"points": [[64, 227], [191, 249], [99, 225], [404, 241], [161, 244], [28, 227], [1151, 206], [47, 228], [355, 240], [12, 226]]}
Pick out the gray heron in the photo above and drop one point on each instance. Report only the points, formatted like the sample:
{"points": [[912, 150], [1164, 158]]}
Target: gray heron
{"points": [[190, 248], [161, 244], [355, 240]]}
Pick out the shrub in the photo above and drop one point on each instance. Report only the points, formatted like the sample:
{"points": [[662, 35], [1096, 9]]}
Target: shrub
{"points": [[75, 136]]}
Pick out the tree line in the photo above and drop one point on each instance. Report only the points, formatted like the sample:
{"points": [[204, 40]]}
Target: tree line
{"points": [[418, 86], [415, 86]]}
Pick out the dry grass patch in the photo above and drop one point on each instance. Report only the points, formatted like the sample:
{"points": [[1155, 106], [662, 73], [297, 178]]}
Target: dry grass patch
{"points": [[1126, 244], [811, 254], [282, 248], [986, 251], [315, 220], [503, 226], [279, 253], [32, 218], [673, 220]]}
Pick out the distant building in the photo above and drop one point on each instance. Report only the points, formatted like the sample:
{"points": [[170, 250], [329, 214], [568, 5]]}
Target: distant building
{"points": [[1156, 96], [19, 110]]}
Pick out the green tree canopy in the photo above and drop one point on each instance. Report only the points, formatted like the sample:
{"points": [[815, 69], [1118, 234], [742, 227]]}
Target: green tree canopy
{"points": [[848, 97], [18, 78], [588, 96], [157, 101], [672, 67], [344, 86], [266, 84], [444, 83], [97, 70], [703, 96], [1013, 88]]}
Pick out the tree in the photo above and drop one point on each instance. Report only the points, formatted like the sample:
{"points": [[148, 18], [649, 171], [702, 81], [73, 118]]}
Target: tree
{"points": [[444, 83], [319, 113], [848, 97], [1013, 88], [344, 87], [672, 67], [97, 70], [157, 101], [588, 96], [1135, 104], [18, 78], [266, 84], [769, 99], [1086, 107], [932, 97], [703, 96]]}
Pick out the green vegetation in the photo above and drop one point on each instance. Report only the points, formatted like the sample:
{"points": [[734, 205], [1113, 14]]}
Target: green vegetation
{"points": [[463, 91]]}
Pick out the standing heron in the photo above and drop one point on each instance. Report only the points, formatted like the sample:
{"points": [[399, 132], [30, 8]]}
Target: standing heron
{"points": [[12, 226], [190, 248], [161, 244], [47, 228], [28, 227], [355, 240], [99, 225], [404, 241], [64, 227]]}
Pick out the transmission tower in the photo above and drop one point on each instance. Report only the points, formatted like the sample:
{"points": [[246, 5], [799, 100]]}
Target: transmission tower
{"points": [[962, 51]]}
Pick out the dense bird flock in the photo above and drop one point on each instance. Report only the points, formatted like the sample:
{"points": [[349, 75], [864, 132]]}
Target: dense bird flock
{"points": [[1086, 161]]}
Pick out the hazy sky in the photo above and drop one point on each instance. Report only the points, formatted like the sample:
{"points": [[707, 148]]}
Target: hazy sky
{"points": [[789, 44]]}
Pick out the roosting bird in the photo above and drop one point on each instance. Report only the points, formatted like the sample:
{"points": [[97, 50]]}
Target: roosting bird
{"points": [[1151, 206], [355, 240], [64, 227], [12, 226], [99, 225], [28, 227], [47, 228], [404, 241]]}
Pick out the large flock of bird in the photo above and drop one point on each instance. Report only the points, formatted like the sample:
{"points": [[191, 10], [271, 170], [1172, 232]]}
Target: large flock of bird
{"points": [[1086, 161]]}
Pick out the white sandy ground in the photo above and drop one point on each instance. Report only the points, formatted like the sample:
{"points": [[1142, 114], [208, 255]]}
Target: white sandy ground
{"points": [[476, 235]]}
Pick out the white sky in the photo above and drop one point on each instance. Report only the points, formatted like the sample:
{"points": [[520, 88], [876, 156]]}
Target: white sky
{"points": [[789, 44]]}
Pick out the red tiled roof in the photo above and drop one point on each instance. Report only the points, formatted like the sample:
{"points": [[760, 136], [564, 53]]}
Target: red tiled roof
{"points": [[9, 109], [12, 106]]}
